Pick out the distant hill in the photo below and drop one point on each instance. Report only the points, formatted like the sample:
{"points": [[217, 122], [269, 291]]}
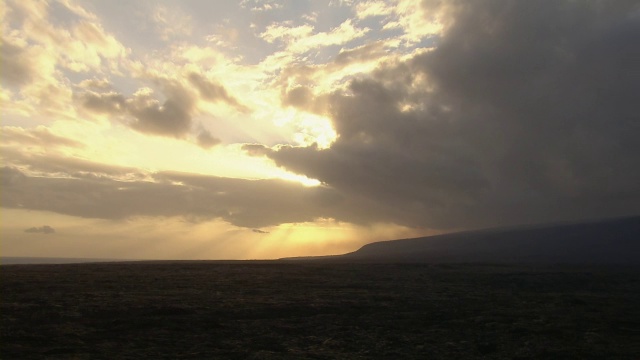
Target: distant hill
{"points": [[610, 241]]}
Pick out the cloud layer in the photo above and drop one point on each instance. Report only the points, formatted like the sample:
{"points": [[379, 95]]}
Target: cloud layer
{"points": [[524, 112], [245, 203], [411, 114]]}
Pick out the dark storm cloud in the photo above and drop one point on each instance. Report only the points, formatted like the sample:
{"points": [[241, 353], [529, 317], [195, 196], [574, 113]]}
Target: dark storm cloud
{"points": [[46, 229], [524, 112]]}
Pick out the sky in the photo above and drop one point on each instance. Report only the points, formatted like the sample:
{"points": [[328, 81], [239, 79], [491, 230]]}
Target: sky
{"points": [[254, 129]]}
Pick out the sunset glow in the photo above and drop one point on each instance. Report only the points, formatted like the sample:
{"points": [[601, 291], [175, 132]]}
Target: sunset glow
{"points": [[261, 129]]}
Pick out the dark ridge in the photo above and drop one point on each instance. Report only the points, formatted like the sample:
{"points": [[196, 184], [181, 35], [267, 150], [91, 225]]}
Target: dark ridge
{"points": [[609, 241]]}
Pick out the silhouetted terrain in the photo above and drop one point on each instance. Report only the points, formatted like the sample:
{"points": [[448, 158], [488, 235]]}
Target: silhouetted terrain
{"points": [[313, 310], [383, 301], [12, 260], [612, 241]]}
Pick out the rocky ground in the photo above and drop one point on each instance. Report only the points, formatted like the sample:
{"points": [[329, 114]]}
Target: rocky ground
{"points": [[307, 310]]}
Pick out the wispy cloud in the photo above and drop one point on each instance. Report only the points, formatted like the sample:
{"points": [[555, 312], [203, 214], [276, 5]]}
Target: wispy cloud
{"points": [[45, 229], [171, 22]]}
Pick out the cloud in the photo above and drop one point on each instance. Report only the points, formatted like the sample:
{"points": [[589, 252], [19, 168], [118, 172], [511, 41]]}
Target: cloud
{"points": [[286, 33], [61, 165], [37, 53], [11, 176], [110, 103], [306, 86], [372, 8], [361, 54], [82, 47], [245, 203], [206, 140], [300, 97], [143, 112], [212, 91], [258, 231], [260, 6], [95, 84], [39, 136], [300, 39], [522, 113], [171, 23], [256, 149], [420, 19], [17, 63], [480, 113], [46, 229], [169, 118]]}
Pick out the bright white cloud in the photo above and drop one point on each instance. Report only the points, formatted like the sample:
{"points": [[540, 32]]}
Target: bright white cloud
{"points": [[417, 20], [373, 8], [302, 38]]}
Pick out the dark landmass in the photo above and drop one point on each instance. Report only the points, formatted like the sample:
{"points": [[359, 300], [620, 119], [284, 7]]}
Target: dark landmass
{"points": [[12, 260], [610, 241], [427, 298], [315, 310]]}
